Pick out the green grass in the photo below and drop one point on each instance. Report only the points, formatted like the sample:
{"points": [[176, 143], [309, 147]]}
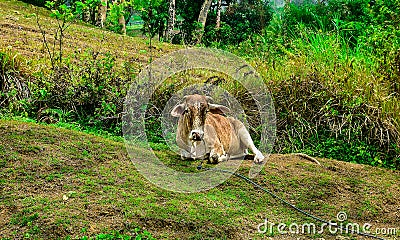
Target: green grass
{"points": [[60, 181]]}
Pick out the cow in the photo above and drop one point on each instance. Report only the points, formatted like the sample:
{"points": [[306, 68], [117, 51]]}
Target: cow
{"points": [[205, 133]]}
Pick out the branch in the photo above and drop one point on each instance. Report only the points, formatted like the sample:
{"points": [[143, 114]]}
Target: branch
{"points": [[45, 41]]}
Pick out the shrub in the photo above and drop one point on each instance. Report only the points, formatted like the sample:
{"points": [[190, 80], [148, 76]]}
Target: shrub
{"points": [[39, 3], [87, 90], [238, 23], [14, 90]]}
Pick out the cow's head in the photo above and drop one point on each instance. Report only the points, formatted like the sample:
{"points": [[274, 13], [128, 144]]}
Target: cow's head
{"points": [[193, 111]]}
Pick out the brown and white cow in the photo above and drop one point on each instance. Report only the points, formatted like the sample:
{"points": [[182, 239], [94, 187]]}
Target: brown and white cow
{"points": [[203, 132]]}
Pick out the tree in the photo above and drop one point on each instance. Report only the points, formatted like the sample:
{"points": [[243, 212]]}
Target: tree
{"points": [[218, 21], [121, 20], [85, 12], [171, 20], [202, 19], [89, 10], [102, 14], [241, 20], [154, 13], [64, 15], [122, 23], [116, 17]]}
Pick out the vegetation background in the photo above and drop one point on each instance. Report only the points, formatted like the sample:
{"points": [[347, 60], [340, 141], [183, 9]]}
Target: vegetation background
{"points": [[332, 67]]}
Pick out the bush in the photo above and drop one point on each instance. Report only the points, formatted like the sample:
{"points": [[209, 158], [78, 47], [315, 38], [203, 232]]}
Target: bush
{"points": [[238, 23], [331, 100], [86, 90], [39, 3], [14, 90]]}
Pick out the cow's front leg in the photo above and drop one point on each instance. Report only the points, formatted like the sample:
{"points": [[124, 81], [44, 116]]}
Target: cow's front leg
{"points": [[217, 154]]}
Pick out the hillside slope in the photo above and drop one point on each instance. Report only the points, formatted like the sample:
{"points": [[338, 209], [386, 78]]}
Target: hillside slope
{"points": [[56, 183], [20, 32]]}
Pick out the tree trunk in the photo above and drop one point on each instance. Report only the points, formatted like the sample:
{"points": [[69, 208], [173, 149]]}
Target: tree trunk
{"points": [[218, 24], [202, 19], [171, 20], [93, 16], [121, 20], [102, 14], [86, 15]]}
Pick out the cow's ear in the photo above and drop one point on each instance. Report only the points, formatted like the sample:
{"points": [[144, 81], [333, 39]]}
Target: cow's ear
{"points": [[218, 109], [178, 110]]}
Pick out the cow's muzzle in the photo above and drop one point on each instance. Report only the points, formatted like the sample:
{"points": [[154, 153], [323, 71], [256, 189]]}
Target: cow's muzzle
{"points": [[196, 135]]}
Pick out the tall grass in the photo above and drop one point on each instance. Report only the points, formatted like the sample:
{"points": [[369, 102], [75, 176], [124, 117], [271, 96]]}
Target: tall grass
{"points": [[333, 97]]}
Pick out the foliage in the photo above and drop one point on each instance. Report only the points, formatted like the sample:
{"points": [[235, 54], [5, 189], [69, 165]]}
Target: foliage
{"points": [[112, 21], [335, 87], [239, 22], [88, 9], [332, 70], [80, 92], [154, 13], [349, 19], [39, 3], [189, 11]]}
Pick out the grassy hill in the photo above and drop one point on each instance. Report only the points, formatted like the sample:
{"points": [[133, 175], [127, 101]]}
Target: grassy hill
{"points": [[21, 34], [57, 183]]}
